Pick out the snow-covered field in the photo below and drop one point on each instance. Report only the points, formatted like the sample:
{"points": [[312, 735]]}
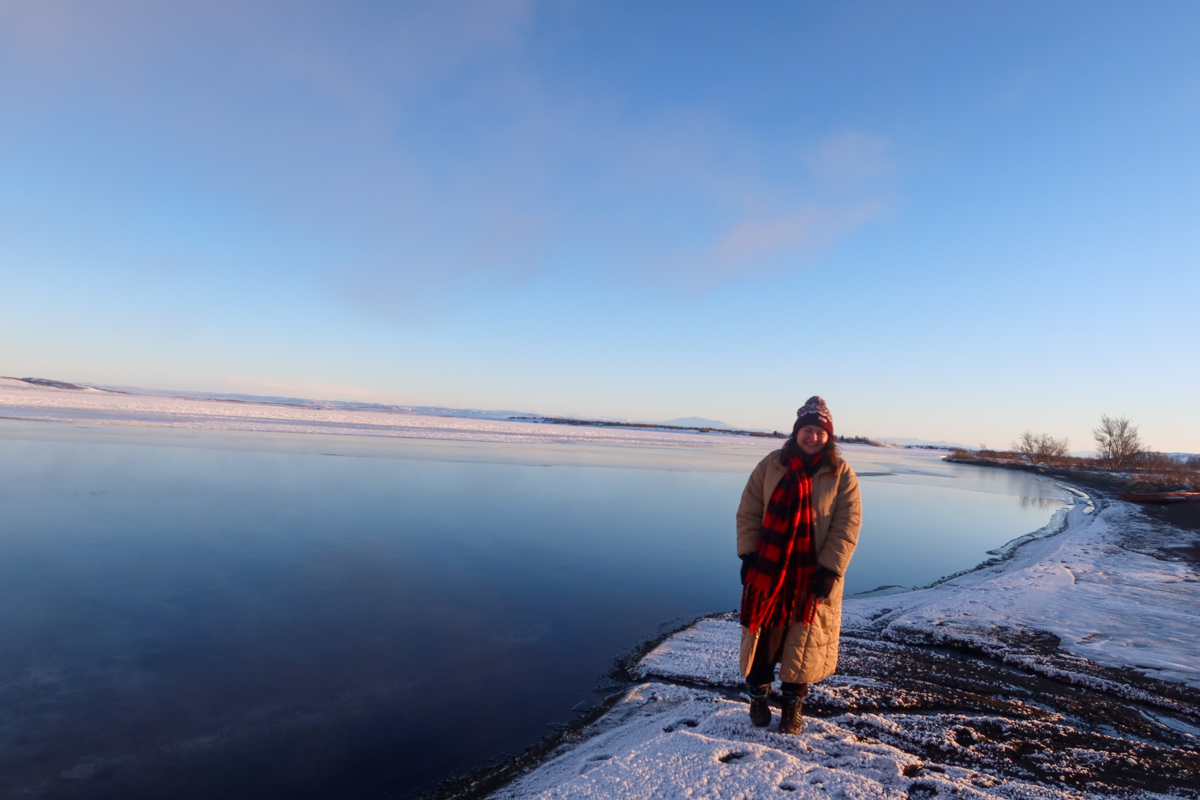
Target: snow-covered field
{"points": [[957, 690], [90, 406], [23, 401]]}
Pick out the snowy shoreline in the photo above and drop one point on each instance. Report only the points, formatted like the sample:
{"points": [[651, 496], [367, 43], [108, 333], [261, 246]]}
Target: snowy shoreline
{"points": [[1048, 671], [1067, 667]]}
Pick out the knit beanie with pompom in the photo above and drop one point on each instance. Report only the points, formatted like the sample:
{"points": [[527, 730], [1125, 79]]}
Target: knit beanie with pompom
{"points": [[814, 412]]}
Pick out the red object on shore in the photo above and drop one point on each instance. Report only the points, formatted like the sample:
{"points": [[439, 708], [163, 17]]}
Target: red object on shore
{"points": [[1156, 497]]}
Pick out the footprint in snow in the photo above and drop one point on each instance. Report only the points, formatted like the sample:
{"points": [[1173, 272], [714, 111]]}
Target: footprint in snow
{"points": [[677, 724]]}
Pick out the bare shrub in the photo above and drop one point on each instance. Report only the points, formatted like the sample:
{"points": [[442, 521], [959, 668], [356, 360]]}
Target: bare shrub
{"points": [[1026, 445], [1147, 461], [1040, 448], [1118, 442], [1164, 472]]}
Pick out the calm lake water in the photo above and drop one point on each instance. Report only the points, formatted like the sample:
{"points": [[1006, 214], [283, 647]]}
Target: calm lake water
{"points": [[201, 614]]}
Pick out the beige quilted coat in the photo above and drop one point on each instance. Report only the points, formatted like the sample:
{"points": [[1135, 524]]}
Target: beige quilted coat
{"points": [[809, 651]]}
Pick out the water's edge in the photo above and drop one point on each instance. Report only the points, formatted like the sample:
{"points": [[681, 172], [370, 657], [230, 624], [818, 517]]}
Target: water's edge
{"points": [[481, 783]]}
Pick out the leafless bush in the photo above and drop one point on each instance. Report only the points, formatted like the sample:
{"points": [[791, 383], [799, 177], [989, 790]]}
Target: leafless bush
{"points": [[1118, 442], [1040, 448], [1147, 461]]}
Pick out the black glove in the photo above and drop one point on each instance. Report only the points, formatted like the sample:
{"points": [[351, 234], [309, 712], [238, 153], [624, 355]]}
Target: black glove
{"points": [[823, 580], [747, 560]]}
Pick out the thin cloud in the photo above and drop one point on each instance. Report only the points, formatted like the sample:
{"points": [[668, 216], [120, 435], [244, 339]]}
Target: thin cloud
{"points": [[797, 234], [851, 159], [766, 244], [424, 150]]}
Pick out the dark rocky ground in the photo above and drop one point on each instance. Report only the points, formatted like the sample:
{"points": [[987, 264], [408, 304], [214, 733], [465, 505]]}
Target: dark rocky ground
{"points": [[1071, 723], [970, 710], [1181, 515]]}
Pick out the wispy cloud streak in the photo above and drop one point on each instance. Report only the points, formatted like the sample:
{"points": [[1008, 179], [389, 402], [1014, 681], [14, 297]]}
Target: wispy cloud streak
{"points": [[427, 149]]}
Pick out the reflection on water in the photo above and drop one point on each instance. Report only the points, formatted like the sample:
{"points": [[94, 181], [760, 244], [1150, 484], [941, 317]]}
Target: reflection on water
{"points": [[1040, 503], [192, 621]]}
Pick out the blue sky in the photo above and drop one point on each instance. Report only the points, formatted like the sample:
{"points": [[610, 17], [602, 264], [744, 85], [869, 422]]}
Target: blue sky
{"points": [[952, 220]]}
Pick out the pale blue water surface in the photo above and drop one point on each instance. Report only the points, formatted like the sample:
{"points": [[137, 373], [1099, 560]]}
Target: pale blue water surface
{"points": [[195, 614]]}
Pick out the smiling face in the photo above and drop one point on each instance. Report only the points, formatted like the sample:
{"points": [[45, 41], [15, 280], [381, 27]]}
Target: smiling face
{"points": [[812, 439]]}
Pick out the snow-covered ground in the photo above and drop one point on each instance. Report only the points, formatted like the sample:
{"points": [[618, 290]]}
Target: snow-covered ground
{"points": [[1106, 603], [1004, 712], [666, 741], [23, 401], [99, 407]]}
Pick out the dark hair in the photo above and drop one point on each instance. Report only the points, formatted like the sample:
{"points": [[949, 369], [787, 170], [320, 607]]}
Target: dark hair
{"points": [[791, 449]]}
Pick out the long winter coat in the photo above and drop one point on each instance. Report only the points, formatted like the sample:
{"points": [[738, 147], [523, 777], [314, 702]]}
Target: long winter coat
{"points": [[809, 651]]}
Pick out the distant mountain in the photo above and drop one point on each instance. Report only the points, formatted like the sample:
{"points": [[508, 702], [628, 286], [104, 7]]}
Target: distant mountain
{"points": [[698, 422], [49, 384], [350, 405]]}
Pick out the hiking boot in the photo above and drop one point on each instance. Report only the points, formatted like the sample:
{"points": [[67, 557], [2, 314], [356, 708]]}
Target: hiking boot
{"points": [[760, 710], [791, 714]]}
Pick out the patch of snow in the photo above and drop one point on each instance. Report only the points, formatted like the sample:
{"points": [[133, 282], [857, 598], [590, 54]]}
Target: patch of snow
{"points": [[666, 741], [1056, 525], [1173, 723], [706, 652], [1107, 604]]}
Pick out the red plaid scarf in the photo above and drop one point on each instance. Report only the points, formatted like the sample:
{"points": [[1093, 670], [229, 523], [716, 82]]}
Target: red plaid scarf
{"points": [[777, 582]]}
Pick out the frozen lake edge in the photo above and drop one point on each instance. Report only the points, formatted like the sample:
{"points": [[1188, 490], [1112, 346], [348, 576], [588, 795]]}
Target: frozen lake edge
{"points": [[1013, 680]]}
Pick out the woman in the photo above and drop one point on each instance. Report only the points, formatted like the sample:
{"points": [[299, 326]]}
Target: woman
{"points": [[796, 530]]}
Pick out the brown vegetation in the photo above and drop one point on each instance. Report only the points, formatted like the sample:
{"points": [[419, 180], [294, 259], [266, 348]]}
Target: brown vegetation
{"points": [[1041, 448], [1118, 442], [857, 440], [1126, 462]]}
